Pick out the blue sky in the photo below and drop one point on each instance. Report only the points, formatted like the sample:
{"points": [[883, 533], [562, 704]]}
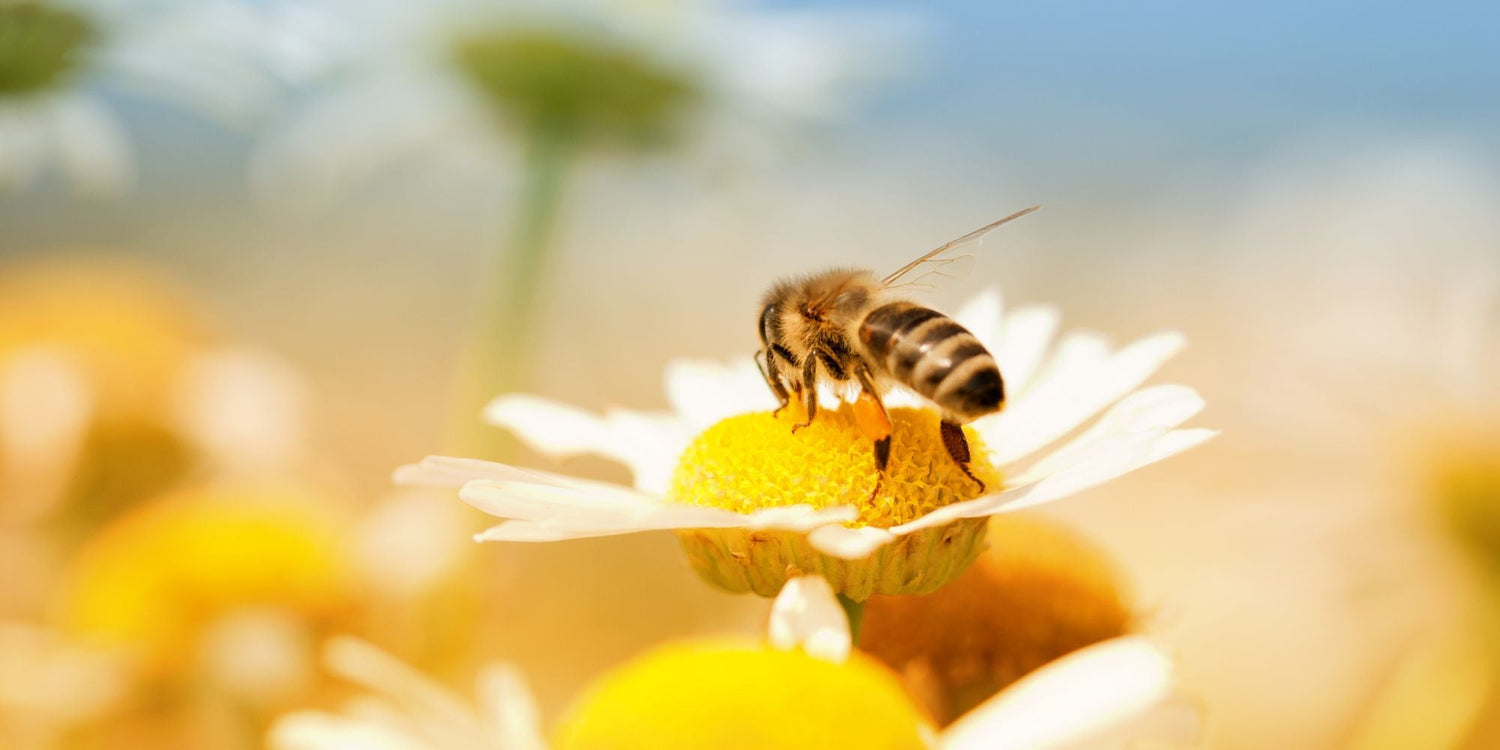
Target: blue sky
{"points": [[1212, 71]]}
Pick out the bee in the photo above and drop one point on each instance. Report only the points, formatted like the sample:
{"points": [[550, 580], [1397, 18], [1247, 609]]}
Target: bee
{"points": [[852, 328]]}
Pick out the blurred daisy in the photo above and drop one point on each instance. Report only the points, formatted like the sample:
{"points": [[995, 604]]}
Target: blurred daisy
{"points": [[455, 81], [804, 688], [112, 388], [1040, 592], [61, 59], [751, 501], [230, 584], [458, 82]]}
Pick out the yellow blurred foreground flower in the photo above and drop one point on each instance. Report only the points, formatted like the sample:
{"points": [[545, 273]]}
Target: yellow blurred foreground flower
{"points": [[755, 504], [802, 689], [1038, 593], [218, 578]]}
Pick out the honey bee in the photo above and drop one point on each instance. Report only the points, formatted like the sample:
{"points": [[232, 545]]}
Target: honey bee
{"points": [[852, 328]]}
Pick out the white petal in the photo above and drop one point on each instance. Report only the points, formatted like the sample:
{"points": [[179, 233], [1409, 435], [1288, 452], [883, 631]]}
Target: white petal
{"points": [[1077, 697], [806, 615], [444, 718], [454, 473], [849, 543], [548, 507], [312, 730], [1081, 379], [91, 146], [352, 133], [648, 444], [1105, 460], [24, 142], [982, 316], [510, 708], [704, 392], [1022, 344], [1157, 408]]}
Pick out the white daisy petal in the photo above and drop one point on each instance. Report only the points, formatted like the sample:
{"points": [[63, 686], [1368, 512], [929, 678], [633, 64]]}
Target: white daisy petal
{"points": [[1079, 697], [1106, 459], [448, 721], [806, 615], [91, 146], [982, 315], [559, 508], [849, 543], [24, 142], [1157, 408], [1081, 379], [509, 708], [1022, 343], [446, 471], [646, 443], [704, 392], [312, 730]]}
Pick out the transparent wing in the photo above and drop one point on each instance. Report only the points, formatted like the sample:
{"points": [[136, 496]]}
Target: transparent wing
{"points": [[948, 261]]}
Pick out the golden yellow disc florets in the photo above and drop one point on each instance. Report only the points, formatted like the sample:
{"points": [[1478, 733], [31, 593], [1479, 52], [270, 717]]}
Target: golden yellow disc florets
{"points": [[743, 695], [755, 461]]}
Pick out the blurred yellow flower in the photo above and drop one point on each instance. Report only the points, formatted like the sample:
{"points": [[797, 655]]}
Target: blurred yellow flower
{"points": [[801, 687], [89, 356], [126, 331], [743, 695], [1038, 593], [158, 580], [1465, 483]]}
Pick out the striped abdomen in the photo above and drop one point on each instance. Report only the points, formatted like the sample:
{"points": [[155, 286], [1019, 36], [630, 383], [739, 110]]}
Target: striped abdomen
{"points": [[928, 352]]}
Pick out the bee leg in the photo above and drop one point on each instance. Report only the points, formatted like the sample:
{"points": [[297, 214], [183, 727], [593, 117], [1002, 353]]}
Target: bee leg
{"points": [[958, 448], [809, 393], [875, 423], [773, 379]]}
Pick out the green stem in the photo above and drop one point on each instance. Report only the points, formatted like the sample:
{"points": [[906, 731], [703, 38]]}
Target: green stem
{"points": [[855, 611], [506, 331]]}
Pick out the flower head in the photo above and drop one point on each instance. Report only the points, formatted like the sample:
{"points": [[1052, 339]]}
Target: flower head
{"points": [[436, 79], [761, 507], [169, 581], [802, 687], [40, 45], [1038, 593], [57, 56]]}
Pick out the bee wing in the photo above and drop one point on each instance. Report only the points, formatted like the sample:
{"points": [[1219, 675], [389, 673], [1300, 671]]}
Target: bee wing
{"points": [[949, 260]]}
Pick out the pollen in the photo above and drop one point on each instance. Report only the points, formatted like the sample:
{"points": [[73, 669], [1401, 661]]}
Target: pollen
{"points": [[755, 461]]}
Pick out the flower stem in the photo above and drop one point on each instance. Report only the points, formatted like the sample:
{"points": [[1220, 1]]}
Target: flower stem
{"points": [[506, 330], [855, 611]]}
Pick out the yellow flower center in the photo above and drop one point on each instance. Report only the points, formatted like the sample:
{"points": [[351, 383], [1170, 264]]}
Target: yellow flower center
{"points": [[743, 695], [156, 578], [754, 461]]}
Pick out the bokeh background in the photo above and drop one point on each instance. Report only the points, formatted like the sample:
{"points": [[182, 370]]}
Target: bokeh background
{"points": [[260, 271]]}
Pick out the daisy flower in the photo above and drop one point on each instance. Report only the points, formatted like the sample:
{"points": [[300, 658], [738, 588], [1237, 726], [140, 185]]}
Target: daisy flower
{"points": [[1039, 592], [450, 82], [527, 88], [803, 688], [227, 581], [61, 59], [754, 503]]}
